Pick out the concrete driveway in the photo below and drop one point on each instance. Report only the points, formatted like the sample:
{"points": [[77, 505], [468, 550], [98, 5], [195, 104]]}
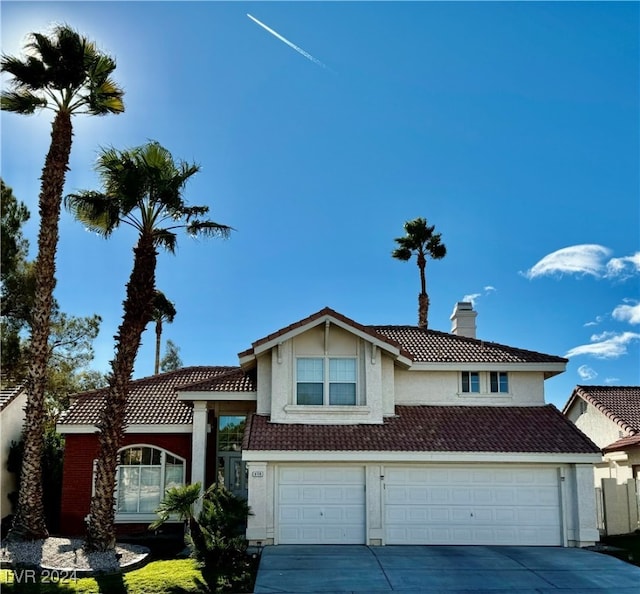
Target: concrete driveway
{"points": [[347, 568]]}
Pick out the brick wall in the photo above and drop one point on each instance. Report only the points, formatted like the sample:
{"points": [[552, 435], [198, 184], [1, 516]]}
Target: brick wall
{"points": [[80, 452]]}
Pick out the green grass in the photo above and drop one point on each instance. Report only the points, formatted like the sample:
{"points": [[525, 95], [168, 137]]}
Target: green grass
{"points": [[178, 576], [629, 545]]}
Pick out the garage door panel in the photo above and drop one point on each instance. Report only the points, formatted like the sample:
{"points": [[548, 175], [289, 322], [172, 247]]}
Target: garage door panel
{"points": [[490, 506], [322, 505]]}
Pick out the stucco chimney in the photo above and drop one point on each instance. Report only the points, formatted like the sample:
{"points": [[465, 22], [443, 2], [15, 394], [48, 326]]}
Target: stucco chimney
{"points": [[463, 319]]}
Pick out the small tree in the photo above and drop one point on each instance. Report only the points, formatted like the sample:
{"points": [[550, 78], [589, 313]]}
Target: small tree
{"points": [[171, 360], [163, 311], [421, 241]]}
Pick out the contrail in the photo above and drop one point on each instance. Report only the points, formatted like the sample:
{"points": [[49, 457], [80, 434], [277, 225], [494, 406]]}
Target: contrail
{"points": [[307, 55]]}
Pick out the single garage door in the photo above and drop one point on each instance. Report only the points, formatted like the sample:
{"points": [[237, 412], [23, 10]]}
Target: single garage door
{"points": [[473, 506], [321, 505]]}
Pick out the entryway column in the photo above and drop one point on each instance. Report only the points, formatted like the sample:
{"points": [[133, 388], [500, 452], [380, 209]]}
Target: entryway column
{"points": [[199, 446]]}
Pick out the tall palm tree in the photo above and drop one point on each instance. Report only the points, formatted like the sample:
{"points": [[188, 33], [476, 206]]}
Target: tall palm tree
{"points": [[63, 72], [163, 311], [143, 188], [419, 239]]}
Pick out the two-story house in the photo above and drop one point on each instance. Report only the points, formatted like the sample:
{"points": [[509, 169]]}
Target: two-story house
{"points": [[339, 432]]}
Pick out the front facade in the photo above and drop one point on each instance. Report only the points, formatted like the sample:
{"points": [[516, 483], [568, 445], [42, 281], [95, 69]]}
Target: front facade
{"points": [[340, 433]]}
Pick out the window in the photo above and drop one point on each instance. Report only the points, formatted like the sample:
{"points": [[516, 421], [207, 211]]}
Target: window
{"points": [[326, 381], [144, 474], [230, 433], [470, 381], [499, 382]]}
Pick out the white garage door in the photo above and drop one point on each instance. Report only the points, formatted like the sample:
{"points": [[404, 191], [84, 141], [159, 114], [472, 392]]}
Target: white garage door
{"points": [[321, 505], [473, 506]]}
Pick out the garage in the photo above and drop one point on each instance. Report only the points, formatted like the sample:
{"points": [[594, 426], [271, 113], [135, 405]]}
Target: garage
{"points": [[321, 505], [472, 506]]}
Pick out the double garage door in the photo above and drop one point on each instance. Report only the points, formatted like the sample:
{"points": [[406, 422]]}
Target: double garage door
{"points": [[422, 505]]}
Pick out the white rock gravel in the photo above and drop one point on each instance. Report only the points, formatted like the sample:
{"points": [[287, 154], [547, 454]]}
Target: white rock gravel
{"points": [[67, 554]]}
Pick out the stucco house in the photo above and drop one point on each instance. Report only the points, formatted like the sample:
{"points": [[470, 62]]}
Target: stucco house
{"points": [[339, 432], [12, 402], [610, 416]]}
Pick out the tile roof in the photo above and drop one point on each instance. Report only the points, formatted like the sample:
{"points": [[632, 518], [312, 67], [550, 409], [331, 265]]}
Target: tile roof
{"points": [[426, 346], [623, 444], [433, 346], [152, 400], [432, 429], [8, 394], [620, 403], [235, 380]]}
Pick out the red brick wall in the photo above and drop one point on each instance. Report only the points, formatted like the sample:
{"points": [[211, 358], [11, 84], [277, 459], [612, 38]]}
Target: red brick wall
{"points": [[79, 454]]}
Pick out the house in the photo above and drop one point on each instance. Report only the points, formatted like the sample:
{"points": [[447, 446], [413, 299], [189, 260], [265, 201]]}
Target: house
{"points": [[610, 416], [12, 403], [339, 432]]}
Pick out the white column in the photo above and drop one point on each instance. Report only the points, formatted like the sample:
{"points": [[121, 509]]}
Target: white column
{"points": [[199, 446], [258, 497], [586, 529]]}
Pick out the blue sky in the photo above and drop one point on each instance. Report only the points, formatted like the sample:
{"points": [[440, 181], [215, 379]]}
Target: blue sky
{"points": [[512, 127]]}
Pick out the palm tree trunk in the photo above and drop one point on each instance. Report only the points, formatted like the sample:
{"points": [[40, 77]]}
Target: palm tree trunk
{"points": [[423, 299], [29, 522], [138, 307], [158, 343]]}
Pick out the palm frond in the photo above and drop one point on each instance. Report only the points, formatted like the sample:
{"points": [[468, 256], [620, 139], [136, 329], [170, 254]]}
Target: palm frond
{"points": [[166, 239], [29, 74], [208, 229], [22, 102], [402, 253], [98, 212]]}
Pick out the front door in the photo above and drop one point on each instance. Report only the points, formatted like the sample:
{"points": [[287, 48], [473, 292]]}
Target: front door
{"points": [[232, 471]]}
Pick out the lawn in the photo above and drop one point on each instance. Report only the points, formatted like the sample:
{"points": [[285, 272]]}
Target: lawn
{"points": [[175, 576]]}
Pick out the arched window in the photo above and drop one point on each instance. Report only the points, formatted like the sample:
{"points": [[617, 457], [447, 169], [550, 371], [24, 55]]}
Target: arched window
{"points": [[144, 474]]}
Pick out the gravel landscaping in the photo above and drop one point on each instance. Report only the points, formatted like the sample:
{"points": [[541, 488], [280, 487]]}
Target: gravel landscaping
{"points": [[67, 554]]}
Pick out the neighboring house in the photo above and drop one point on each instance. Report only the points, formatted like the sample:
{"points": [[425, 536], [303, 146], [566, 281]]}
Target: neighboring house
{"points": [[356, 434], [12, 403], [610, 416]]}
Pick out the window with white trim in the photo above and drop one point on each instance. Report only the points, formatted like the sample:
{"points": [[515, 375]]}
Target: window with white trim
{"points": [[499, 382], [470, 381], [328, 381], [144, 475]]}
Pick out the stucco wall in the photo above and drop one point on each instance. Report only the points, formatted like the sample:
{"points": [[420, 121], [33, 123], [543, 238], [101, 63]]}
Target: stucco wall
{"points": [[444, 388], [11, 421], [600, 429], [79, 454]]}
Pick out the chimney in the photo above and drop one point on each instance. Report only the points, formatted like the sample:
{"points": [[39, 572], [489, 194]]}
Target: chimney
{"points": [[463, 319]]}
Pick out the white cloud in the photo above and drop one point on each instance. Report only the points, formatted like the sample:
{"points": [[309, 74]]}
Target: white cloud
{"points": [[586, 373], [627, 313], [607, 345], [624, 267], [473, 297], [576, 259], [611, 380], [595, 322]]}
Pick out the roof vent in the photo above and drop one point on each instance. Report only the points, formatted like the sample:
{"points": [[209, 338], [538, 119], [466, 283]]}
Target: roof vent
{"points": [[463, 319]]}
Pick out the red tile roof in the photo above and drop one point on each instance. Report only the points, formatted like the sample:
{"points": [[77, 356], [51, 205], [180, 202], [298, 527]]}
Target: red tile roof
{"points": [[152, 400], [620, 403], [623, 444], [235, 380], [432, 429], [433, 346], [425, 346]]}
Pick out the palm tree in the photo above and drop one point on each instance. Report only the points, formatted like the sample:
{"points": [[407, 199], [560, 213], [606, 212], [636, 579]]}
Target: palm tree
{"points": [[422, 241], [65, 73], [163, 311], [142, 187]]}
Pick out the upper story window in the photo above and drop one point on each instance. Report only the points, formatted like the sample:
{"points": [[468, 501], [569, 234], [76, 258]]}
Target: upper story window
{"points": [[230, 433], [470, 381], [326, 381], [499, 382], [144, 474], [494, 382]]}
